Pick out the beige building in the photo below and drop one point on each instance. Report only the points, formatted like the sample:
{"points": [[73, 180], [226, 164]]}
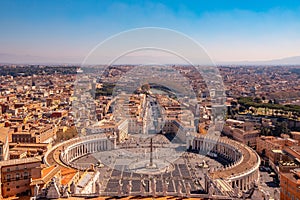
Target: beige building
{"points": [[4, 143], [23, 150], [265, 144], [16, 175], [295, 135], [271, 147], [135, 125], [241, 131], [34, 134], [120, 129]]}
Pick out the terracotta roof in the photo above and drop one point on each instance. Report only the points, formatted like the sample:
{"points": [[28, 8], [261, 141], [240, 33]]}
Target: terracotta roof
{"points": [[4, 131], [67, 175], [46, 170], [46, 175]]}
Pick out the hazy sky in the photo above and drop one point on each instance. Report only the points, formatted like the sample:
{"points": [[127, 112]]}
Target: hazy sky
{"points": [[65, 31]]}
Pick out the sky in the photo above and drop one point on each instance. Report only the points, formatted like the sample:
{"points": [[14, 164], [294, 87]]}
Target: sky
{"points": [[229, 30]]}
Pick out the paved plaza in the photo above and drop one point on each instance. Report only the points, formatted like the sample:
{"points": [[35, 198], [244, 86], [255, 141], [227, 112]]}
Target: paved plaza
{"points": [[267, 183], [174, 169]]}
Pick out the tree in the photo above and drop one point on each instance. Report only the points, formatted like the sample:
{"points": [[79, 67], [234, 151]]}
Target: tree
{"points": [[242, 108], [70, 133], [145, 88], [281, 128], [265, 131], [257, 100], [270, 101], [234, 104], [263, 153]]}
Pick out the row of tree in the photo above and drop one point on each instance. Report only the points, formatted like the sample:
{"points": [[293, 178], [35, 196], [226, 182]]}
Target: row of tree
{"points": [[248, 102], [278, 129]]}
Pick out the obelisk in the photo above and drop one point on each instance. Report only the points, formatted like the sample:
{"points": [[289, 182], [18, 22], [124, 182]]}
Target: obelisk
{"points": [[151, 153]]}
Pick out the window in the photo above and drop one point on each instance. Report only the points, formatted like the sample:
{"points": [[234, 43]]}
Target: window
{"points": [[8, 169], [17, 186], [25, 175], [17, 176], [8, 189], [8, 177]]}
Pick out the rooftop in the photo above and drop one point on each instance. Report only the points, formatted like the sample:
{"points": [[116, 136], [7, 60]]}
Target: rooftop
{"points": [[250, 158], [4, 131], [20, 161], [67, 175]]}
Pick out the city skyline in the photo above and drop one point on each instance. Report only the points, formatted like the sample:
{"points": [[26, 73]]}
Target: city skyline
{"points": [[128, 99], [231, 31]]}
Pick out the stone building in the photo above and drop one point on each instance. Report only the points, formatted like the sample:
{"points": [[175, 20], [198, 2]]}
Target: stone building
{"points": [[268, 146], [17, 174], [34, 134], [289, 184], [241, 131]]}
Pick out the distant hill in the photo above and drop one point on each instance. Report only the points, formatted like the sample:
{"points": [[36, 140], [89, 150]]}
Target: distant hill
{"points": [[6, 58], [29, 59], [295, 60]]}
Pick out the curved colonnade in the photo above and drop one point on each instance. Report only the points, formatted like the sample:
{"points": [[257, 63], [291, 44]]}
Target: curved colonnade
{"points": [[244, 170], [241, 174], [64, 153], [90, 144]]}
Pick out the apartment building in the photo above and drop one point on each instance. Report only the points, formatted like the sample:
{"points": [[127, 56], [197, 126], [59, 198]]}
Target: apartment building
{"points": [[16, 175]]}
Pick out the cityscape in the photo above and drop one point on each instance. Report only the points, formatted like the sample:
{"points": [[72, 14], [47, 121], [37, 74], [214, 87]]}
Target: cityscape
{"points": [[148, 111]]}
